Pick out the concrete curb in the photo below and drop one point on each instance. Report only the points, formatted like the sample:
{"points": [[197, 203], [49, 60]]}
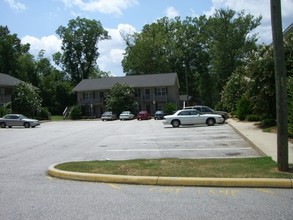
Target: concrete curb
{"points": [[173, 181]]}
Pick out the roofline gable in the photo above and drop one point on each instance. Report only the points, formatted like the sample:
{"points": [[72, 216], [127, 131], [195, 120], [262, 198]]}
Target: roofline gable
{"points": [[136, 81]]}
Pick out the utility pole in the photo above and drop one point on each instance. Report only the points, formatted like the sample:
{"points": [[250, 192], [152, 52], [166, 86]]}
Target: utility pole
{"points": [[281, 86]]}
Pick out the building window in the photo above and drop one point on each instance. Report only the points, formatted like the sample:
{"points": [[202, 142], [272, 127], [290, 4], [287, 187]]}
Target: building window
{"points": [[101, 94], [88, 95], [161, 91], [147, 93], [137, 93]]}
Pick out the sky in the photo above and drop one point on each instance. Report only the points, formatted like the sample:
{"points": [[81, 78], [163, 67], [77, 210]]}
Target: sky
{"points": [[36, 21]]}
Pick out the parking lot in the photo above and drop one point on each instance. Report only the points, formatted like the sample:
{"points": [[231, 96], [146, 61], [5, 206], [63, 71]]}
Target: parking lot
{"points": [[28, 193], [120, 140]]}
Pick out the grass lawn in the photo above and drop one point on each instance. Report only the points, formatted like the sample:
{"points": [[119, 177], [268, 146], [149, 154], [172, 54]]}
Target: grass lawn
{"points": [[262, 167], [57, 117]]}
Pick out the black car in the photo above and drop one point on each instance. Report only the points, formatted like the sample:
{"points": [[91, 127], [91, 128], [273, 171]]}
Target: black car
{"points": [[159, 115]]}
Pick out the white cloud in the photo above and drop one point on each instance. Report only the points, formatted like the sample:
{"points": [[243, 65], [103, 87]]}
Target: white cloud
{"points": [[171, 12], [51, 44], [111, 51], [257, 8], [103, 6], [16, 5]]}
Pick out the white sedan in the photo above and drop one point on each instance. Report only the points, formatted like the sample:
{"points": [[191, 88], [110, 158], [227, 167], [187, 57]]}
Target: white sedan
{"points": [[126, 115], [191, 117]]}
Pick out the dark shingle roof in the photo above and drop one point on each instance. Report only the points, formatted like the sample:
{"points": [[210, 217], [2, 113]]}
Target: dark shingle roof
{"points": [[137, 81], [7, 80]]}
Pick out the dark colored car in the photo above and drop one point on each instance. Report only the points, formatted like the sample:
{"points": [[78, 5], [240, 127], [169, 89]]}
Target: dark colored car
{"points": [[143, 115], [159, 115]]}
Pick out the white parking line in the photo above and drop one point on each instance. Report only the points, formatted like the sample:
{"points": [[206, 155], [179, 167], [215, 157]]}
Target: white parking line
{"points": [[159, 150], [182, 141]]}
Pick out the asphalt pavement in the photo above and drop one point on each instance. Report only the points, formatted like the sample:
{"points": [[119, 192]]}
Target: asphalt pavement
{"points": [[264, 142]]}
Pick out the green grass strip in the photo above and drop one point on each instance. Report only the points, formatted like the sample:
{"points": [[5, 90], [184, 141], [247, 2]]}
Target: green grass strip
{"points": [[262, 167]]}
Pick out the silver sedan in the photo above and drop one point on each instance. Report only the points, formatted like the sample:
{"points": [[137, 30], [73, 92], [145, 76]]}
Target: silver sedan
{"points": [[18, 120], [191, 117]]}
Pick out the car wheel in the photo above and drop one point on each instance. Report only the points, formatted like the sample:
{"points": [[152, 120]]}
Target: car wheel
{"points": [[3, 125], [210, 121], [175, 123], [26, 125]]}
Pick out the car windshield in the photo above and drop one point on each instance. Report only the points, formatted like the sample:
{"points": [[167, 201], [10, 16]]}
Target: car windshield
{"points": [[125, 112], [107, 113]]}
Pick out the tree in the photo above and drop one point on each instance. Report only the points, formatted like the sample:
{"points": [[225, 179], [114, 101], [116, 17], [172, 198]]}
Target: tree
{"points": [[170, 45], [204, 52], [80, 48], [261, 89], [26, 100], [235, 87], [120, 98], [148, 52], [14, 57], [228, 42]]}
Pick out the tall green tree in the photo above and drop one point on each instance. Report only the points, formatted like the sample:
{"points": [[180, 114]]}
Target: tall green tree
{"points": [[55, 89], [169, 45], [203, 51], [229, 40], [80, 47], [120, 98], [148, 52], [15, 59]]}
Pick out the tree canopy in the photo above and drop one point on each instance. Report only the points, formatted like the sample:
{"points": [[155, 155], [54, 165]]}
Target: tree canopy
{"points": [[26, 99], [203, 51], [120, 98], [80, 48], [15, 59]]}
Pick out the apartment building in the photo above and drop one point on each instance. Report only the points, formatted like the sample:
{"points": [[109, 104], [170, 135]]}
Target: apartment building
{"points": [[152, 92]]}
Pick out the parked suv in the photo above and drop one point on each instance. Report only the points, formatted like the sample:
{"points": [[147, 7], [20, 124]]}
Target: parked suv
{"points": [[208, 110]]}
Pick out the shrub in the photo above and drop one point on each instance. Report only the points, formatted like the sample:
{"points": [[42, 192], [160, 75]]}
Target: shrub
{"points": [[266, 123], [4, 111], [170, 108], [243, 108], [75, 113], [44, 114], [253, 118]]}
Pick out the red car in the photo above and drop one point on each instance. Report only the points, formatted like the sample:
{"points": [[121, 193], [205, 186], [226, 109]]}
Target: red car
{"points": [[143, 115]]}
